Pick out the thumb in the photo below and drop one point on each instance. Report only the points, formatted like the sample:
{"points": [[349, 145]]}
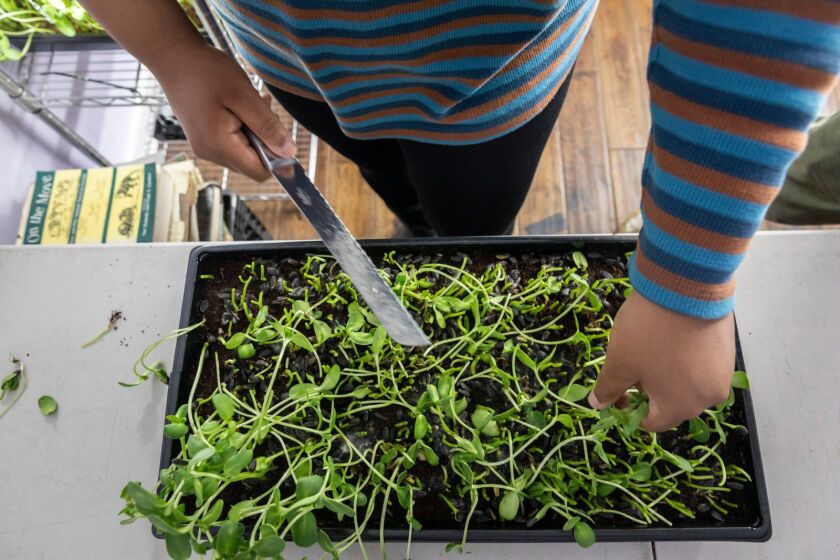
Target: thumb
{"points": [[610, 387], [257, 115]]}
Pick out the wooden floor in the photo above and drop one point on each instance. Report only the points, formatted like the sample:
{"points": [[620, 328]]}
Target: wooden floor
{"points": [[588, 178]]}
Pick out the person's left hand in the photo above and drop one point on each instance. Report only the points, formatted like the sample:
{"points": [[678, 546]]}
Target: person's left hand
{"points": [[682, 363]]}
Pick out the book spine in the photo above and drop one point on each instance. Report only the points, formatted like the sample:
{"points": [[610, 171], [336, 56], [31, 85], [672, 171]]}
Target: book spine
{"points": [[146, 229], [59, 217], [93, 212], [126, 199], [77, 209], [34, 228]]}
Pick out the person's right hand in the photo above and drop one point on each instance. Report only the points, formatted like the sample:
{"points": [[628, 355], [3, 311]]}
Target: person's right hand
{"points": [[212, 98]]}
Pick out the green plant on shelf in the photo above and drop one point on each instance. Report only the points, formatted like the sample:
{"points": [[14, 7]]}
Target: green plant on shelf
{"points": [[302, 414], [28, 19]]}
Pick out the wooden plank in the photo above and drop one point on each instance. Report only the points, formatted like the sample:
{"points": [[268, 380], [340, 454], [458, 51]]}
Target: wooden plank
{"points": [[626, 173], [642, 18], [589, 198], [544, 210], [622, 76]]}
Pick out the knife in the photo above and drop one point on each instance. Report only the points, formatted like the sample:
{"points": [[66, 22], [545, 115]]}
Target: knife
{"points": [[396, 319]]}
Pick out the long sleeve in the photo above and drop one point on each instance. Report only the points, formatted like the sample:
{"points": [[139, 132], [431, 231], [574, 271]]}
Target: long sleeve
{"points": [[734, 86]]}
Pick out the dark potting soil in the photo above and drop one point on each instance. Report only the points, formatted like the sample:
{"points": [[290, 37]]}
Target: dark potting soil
{"points": [[211, 302]]}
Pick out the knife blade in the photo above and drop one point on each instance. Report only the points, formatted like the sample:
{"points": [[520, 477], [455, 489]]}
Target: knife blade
{"points": [[396, 319]]}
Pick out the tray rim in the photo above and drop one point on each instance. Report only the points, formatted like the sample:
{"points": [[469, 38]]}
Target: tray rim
{"points": [[761, 532]]}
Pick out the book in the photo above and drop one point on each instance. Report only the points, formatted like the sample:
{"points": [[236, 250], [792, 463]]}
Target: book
{"points": [[105, 205], [135, 203]]}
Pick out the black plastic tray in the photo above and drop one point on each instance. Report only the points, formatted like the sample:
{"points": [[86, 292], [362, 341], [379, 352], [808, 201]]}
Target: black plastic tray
{"points": [[186, 355]]}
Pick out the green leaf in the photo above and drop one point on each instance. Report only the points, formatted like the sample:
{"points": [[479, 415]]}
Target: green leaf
{"points": [[229, 537], [339, 508], [520, 354], [261, 315], [175, 431], [10, 382], [331, 379], [264, 335], [146, 502], [360, 392], [698, 430], [224, 406], [305, 530], [235, 513], [566, 420], [378, 342], [604, 490], [421, 427], [308, 486], [322, 331], [574, 392], [570, 523], [237, 462], [269, 546], [302, 342], [580, 260], [194, 445], [634, 419], [303, 391], [740, 380], [326, 544], [246, 351], [404, 496], [163, 525], [680, 462], [509, 506], [641, 471], [47, 405], [584, 535], [300, 306], [178, 546], [235, 341], [537, 419], [481, 417], [213, 513], [360, 338], [355, 318]]}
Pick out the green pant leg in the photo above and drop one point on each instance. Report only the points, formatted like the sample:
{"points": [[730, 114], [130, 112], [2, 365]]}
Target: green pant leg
{"points": [[811, 191]]}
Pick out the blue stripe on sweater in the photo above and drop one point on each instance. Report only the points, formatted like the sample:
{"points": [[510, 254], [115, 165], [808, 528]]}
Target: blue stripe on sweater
{"points": [[777, 93], [761, 22], [758, 44], [711, 96], [757, 152], [713, 159], [694, 215], [417, 17], [678, 302], [725, 207], [696, 263]]}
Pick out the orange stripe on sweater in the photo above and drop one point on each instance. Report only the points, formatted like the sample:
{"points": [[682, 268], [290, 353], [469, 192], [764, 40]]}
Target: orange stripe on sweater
{"points": [[713, 180], [763, 67], [680, 284], [824, 11], [728, 122], [690, 233], [487, 106]]}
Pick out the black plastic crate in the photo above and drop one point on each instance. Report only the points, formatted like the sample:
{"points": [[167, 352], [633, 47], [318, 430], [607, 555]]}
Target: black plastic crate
{"points": [[203, 260], [241, 221]]}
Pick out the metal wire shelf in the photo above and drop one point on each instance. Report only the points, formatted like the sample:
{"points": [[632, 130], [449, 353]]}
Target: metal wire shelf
{"points": [[55, 77]]}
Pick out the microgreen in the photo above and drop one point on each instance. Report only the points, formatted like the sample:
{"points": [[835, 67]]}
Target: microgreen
{"points": [[14, 382], [303, 414], [47, 405]]}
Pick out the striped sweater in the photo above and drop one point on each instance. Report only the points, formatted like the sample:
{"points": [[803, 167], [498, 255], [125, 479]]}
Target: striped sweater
{"points": [[734, 85]]}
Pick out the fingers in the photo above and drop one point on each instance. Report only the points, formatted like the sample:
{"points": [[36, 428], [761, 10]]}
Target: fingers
{"points": [[256, 114], [610, 388], [228, 146]]}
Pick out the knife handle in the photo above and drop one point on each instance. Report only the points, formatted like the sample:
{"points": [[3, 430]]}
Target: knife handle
{"points": [[269, 159]]}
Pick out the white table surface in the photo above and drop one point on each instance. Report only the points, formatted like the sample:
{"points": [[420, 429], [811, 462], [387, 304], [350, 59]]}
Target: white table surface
{"points": [[60, 476]]}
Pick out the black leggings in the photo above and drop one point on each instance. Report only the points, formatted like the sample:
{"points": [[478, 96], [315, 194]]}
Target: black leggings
{"points": [[475, 189]]}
